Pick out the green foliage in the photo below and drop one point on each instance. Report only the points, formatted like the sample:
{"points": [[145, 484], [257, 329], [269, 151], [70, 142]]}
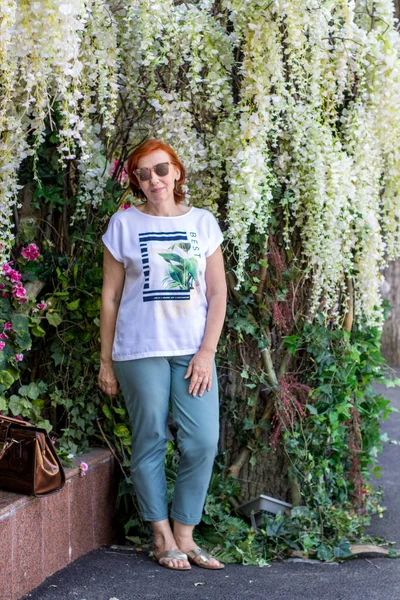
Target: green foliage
{"points": [[331, 448]]}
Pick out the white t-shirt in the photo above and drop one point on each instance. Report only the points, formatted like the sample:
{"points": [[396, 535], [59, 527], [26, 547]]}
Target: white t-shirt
{"points": [[163, 307]]}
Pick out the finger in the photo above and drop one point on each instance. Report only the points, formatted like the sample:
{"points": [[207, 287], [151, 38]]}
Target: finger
{"points": [[193, 382], [189, 370], [209, 386], [203, 386], [197, 386]]}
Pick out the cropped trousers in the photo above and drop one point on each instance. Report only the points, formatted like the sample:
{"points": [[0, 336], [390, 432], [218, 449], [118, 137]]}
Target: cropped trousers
{"points": [[149, 387]]}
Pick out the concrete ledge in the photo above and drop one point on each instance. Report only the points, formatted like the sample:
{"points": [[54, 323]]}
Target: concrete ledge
{"points": [[39, 536]]}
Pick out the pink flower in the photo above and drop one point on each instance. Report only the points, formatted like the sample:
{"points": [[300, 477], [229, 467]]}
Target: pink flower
{"points": [[2, 286], [123, 175], [3, 336], [8, 325], [5, 294], [2, 344], [31, 252], [22, 300], [53, 439], [83, 467], [18, 357], [6, 268], [19, 292], [42, 305], [15, 276], [126, 205]]}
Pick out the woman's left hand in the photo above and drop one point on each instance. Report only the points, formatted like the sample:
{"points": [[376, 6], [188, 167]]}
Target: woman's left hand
{"points": [[200, 369]]}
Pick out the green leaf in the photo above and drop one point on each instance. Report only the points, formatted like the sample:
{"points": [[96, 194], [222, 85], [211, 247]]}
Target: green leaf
{"points": [[6, 378], [38, 331], [3, 404], [312, 409], [106, 410], [23, 340], [20, 324], [172, 256], [324, 552], [54, 318], [121, 430], [31, 390], [73, 305]]}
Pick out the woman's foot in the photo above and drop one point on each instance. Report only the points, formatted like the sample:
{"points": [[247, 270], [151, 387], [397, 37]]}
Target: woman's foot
{"points": [[186, 544], [162, 544]]}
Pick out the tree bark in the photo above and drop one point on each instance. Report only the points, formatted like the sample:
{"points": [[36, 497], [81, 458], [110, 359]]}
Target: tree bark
{"points": [[391, 331]]}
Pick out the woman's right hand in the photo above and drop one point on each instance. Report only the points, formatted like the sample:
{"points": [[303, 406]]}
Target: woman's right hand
{"points": [[107, 381]]}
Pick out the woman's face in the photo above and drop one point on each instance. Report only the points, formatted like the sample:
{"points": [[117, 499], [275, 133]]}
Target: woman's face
{"points": [[158, 188]]}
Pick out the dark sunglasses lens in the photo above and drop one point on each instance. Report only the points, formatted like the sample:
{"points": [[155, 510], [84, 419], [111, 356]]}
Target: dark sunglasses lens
{"points": [[144, 174], [162, 169]]}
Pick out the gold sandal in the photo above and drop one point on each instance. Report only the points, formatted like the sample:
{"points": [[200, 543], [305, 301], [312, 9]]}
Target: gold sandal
{"points": [[204, 561], [174, 554]]}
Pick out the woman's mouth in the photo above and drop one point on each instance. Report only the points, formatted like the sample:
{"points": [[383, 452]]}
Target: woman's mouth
{"points": [[156, 190]]}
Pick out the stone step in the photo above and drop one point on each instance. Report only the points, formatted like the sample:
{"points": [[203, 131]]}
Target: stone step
{"points": [[39, 536]]}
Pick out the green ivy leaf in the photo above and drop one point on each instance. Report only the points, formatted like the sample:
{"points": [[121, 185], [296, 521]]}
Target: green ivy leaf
{"points": [[54, 318], [38, 331], [73, 305], [106, 410], [6, 378], [121, 430]]}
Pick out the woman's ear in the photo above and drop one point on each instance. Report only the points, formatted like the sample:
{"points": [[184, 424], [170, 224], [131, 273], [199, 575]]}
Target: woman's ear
{"points": [[177, 174]]}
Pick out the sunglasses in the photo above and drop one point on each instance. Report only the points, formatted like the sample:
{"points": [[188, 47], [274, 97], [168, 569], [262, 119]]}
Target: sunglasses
{"points": [[144, 174]]}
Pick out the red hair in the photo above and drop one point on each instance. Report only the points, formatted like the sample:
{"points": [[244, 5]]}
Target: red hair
{"points": [[142, 150]]}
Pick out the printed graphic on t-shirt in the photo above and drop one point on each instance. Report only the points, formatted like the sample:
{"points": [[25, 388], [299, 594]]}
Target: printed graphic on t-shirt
{"points": [[169, 272]]}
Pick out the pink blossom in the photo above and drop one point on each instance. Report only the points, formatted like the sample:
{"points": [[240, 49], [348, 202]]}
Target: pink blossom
{"points": [[22, 300], [15, 276], [2, 344], [123, 175], [83, 467], [31, 252], [3, 336], [6, 268], [8, 325], [2, 286], [18, 357], [19, 292], [127, 205], [5, 294], [42, 305]]}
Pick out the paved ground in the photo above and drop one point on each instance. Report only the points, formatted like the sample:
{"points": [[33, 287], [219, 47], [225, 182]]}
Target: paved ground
{"points": [[105, 574]]}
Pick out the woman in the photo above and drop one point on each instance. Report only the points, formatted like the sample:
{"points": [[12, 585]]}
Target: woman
{"points": [[163, 307]]}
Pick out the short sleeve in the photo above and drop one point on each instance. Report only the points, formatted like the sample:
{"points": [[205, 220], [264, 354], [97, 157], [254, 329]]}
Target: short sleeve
{"points": [[214, 234], [113, 238]]}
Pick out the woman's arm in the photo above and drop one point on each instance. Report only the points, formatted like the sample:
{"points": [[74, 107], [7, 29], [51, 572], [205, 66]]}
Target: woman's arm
{"points": [[113, 284], [200, 367]]}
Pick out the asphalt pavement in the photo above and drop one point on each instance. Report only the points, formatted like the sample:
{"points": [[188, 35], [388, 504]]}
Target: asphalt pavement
{"points": [[125, 574]]}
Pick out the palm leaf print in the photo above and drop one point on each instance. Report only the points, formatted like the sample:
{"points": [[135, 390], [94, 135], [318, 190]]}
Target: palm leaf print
{"points": [[181, 272]]}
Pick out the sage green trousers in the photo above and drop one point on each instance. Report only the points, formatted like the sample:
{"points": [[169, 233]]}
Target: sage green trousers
{"points": [[149, 387]]}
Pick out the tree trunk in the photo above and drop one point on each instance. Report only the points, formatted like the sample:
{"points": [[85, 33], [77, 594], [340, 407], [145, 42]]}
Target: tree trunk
{"points": [[391, 331]]}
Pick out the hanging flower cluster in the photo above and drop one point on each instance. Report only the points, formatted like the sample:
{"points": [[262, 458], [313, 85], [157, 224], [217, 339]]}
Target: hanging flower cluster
{"points": [[47, 65], [295, 95]]}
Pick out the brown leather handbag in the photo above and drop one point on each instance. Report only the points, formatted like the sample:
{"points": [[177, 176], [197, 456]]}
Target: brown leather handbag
{"points": [[28, 461]]}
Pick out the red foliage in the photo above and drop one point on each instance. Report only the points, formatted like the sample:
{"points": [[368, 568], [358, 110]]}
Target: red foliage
{"points": [[289, 405]]}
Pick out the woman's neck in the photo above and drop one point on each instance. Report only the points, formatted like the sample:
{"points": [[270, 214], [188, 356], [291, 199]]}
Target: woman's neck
{"points": [[163, 210]]}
